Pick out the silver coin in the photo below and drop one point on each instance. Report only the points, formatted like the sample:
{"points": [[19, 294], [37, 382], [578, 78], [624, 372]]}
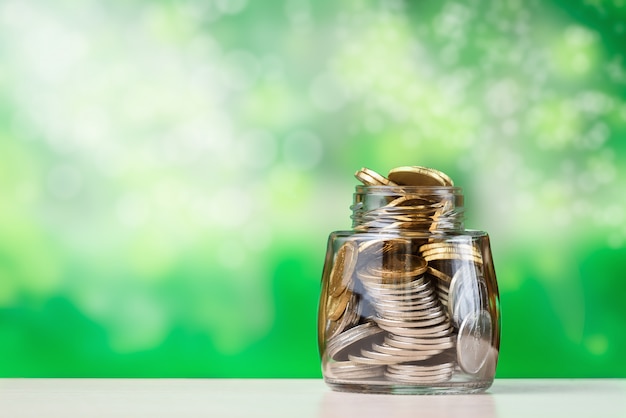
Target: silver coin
{"points": [[351, 336], [403, 286], [467, 294], [351, 370], [409, 319], [440, 378], [411, 314], [420, 376], [449, 343], [366, 360], [409, 288], [404, 352], [423, 303], [435, 331], [474, 341], [415, 368], [411, 324], [420, 340], [393, 358]]}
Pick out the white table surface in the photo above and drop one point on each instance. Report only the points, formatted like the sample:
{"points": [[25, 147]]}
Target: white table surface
{"points": [[300, 398]]}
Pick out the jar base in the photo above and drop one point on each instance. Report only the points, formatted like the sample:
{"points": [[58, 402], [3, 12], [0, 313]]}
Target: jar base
{"points": [[447, 388]]}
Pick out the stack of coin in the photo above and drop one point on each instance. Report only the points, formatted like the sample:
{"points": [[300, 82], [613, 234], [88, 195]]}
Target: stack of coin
{"points": [[398, 308]]}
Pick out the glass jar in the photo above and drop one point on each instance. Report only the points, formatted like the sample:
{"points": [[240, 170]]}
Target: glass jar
{"points": [[409, 300]]}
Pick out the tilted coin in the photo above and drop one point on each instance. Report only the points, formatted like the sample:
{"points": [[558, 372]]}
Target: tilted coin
{"points": [[349, 317], [419, 176], [353, 339], [466, 295], [474, 341], [439, 275], [343, 268], [372, 178], [337, 305]]}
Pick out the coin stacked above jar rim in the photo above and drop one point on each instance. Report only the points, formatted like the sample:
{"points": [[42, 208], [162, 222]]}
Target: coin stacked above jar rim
{"points": [[404, 309]]}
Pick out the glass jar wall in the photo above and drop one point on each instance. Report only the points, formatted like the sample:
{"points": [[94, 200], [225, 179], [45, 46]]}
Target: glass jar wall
{"points": [[409, 300]]}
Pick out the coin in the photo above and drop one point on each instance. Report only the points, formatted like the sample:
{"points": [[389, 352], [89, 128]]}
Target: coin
{"points": [[437, 319], [439, 275], [372, 178], [417, 380], [453, 256], [374, 357], [460, 248], [474, 341], [350, 370], [343, 268], [440, 330], [349, 317], [466, 295], [394, 268], [421, 344], [339, 346], [337, 305], [419, 176], [405, 351]]}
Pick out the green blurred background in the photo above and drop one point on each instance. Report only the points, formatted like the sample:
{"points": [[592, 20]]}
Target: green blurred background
{"points": [[170, 171]]}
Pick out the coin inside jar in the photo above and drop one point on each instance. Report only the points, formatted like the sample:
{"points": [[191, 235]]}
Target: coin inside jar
{"points": [[343, 268], [474, 341]]}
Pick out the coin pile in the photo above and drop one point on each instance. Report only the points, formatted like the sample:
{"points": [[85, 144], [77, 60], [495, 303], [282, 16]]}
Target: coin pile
{"points": [[401, 309]]}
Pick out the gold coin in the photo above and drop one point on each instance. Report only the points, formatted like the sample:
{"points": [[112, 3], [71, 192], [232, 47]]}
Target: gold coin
{"points": [[337, 305], [398, 266], [371, 178], [415, 202], [461, 247], [419, 176], [440, 275], [454, 256], [343, 268], [444, 250], [350, 317], [379, 247]]}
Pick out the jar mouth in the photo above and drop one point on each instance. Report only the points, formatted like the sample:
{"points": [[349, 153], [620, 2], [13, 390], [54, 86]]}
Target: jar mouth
{"points": [[396, 207]]}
